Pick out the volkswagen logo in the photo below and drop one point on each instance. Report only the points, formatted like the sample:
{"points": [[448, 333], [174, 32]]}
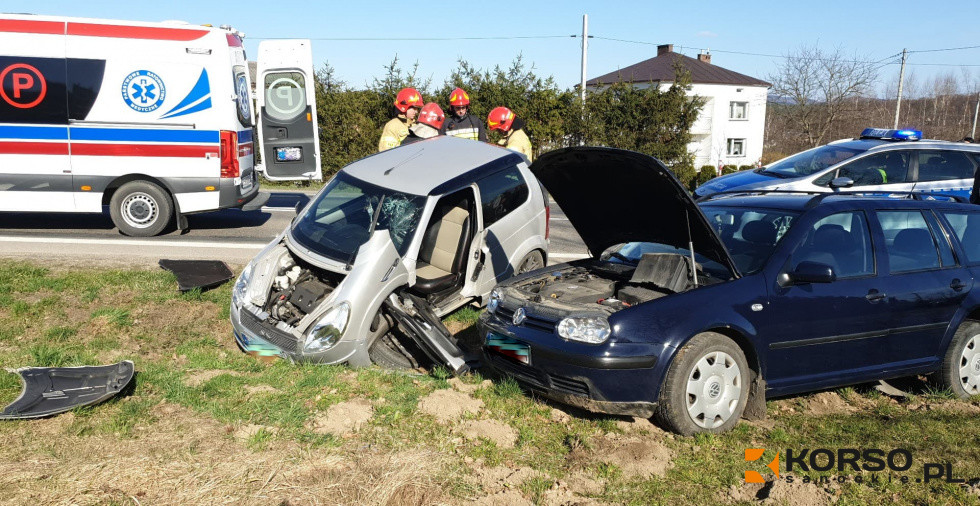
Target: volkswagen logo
{"points": [[519, 316]]}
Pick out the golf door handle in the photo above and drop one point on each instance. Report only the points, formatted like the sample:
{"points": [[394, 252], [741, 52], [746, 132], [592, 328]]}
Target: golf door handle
{"points": [[957, 285], [874, 295]]}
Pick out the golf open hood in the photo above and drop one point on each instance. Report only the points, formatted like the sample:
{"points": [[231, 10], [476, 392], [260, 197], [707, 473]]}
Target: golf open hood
{"points": [[614, 196]]}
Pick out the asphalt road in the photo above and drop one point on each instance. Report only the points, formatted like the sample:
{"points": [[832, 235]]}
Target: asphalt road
{"points": [[233, 236]]}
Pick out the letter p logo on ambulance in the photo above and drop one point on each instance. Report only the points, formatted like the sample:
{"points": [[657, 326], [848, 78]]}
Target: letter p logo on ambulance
{"points": [[143, 91], [22, 86]]}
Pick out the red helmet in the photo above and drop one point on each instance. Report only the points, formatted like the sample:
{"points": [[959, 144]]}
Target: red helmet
{"points": [[500, 118], [432, 115], [408, 97], [459, 97]]}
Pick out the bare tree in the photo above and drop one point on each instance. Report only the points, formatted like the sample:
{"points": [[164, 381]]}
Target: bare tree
{"points": [[820, 89]]}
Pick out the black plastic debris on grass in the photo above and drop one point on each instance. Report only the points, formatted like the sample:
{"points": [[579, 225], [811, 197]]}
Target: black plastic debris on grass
{"points": [[203, 274], [48, 391]]}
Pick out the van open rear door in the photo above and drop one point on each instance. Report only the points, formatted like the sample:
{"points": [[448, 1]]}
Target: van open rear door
{"points": [[288, 134]]}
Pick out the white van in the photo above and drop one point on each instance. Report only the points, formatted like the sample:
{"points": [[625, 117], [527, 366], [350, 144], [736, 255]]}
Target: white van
{"points": [[152, 119]]}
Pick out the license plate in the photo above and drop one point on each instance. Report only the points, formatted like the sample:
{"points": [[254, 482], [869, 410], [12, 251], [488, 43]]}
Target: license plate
{"points": [[509, 347], [248, 181], [290, 154]]}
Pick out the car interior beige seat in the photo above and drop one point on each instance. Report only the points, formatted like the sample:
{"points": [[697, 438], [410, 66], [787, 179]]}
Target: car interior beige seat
{"points": [[443, 253]]}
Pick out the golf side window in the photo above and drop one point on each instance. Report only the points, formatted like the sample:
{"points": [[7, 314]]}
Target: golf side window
{"points": [[501, 193], [842, 241], [966, 228], [908, 241]]}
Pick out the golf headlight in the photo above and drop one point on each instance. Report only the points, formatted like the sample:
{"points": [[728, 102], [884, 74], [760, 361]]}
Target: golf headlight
{"points": [[587, 329], [241, 286], [328, 331], [494, 302]]}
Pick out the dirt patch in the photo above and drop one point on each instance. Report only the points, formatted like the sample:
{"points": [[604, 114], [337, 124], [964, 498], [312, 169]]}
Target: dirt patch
{"points": [[958, 407], [560, 416], [199, 378], [447, 405], [636, 457], [468, 388], [782, 493], [638, 425], [827, 403], [503, 435], [343, 418], [563, 494], [256, 390], [505, 498], [494, 480]]}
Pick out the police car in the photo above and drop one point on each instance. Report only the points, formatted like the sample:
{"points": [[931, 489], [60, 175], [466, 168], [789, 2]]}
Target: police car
{"points": [[152, 119], [879, 161]]}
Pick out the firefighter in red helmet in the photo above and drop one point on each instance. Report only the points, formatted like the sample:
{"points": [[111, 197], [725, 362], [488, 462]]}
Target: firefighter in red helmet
{"points": [[461, 123], [503, 119], [430, 120], [407, 102]]}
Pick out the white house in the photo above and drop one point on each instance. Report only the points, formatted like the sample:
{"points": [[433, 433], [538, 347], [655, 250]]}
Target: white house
{"points": [[730, 127]]}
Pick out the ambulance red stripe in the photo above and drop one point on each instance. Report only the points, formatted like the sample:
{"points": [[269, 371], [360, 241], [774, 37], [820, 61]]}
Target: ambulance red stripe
{"points": [[34, 148], [174, 150], [134, 32], [32, 26]]}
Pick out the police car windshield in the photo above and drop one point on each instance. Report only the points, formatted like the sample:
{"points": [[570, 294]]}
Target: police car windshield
{"points": [[339, 220], [810, 162]]}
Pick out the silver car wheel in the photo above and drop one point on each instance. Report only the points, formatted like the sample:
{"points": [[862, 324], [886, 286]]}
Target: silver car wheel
{"points": [[713, 389], [531, 261], [970, 366], [139, 210]]}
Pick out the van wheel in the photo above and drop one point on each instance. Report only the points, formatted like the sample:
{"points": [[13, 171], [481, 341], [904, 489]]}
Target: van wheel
{"points": [[706, 387], [141, 209], [531, 261], [960, 371]]}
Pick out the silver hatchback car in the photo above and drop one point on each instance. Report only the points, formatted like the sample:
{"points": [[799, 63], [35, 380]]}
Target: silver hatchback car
{"points": [[397, 239]]}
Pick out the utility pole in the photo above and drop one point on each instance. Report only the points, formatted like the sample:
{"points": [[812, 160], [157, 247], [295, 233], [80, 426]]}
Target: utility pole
{"points": [[975, 113], [585, 52], [901, 80]]}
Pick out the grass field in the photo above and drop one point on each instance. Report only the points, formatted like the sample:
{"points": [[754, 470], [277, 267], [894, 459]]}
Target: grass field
{"points": [[207, 424]]}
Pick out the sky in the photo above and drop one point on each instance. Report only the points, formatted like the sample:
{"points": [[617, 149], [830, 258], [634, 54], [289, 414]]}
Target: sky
{"points": [[869, 30]]}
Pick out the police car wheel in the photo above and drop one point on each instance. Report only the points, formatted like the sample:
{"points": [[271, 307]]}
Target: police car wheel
{"points": [[141, 209], [706, 386], [960, 372]]}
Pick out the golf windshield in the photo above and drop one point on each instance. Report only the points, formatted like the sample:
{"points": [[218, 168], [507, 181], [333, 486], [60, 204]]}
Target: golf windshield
{"points": [[810, 162], [340, 218], [750, 235]]}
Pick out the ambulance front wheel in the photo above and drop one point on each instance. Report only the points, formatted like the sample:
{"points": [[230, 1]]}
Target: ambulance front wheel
{"points": [[141, 209]]}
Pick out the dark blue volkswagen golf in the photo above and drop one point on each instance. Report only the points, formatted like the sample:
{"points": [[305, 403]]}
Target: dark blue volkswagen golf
{"points": [[694, 313]]}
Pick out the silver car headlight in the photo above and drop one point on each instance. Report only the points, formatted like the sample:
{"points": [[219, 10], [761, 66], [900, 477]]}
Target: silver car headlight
{"points": [[328, 331], [494, 301], [587, 329], [241, 286]]}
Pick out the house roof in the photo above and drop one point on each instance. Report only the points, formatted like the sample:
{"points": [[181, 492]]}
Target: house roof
{"points": [[661, 68]]}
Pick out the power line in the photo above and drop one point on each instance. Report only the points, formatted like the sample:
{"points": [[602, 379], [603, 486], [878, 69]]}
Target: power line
{"points": [[944, 49], [417, 39]]}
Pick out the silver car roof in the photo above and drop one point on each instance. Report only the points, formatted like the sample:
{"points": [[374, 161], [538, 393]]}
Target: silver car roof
{"points": [[422, 167]]}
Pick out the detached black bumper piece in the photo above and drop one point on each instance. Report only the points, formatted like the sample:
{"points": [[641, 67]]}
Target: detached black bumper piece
{"points": [[51, 390], [201, 274]]}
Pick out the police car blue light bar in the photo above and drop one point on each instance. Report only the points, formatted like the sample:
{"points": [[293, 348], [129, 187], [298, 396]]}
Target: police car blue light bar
{"points": [[891, 135]]}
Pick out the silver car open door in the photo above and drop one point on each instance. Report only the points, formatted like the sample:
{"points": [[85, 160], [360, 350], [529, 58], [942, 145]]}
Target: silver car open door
{"points": [[289, 140]]}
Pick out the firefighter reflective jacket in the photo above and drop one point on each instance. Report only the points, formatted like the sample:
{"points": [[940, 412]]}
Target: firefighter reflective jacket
{"points": [[518, 141], [394, 133], [467, 127]]}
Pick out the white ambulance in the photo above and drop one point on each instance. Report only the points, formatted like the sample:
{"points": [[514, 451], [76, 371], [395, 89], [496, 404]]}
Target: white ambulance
{"points": [[152, 119]]}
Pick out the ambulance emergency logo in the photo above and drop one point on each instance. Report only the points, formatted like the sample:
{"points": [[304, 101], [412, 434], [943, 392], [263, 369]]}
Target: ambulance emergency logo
{"points": [[244, 97], [143, 91]]}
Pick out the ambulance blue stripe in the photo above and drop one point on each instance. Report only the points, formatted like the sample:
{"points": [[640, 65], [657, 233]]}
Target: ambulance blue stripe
{"points": [[108, 134], [134, 135], [245, 136], [34, 133]]}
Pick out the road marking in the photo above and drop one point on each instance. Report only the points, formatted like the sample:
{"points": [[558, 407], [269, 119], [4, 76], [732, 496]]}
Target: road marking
{"points": [[136, 242]]}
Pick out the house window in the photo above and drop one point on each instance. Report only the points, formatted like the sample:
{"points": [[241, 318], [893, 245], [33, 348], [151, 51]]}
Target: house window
{"points": [[736, 147], [738, 110]]}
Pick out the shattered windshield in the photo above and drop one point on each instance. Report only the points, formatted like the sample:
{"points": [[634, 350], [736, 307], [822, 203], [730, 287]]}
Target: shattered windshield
{"points": [[750, 235], [339, 220], [810, 162]]}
